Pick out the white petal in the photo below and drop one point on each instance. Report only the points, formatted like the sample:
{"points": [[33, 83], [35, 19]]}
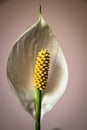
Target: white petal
{"points": [[21, 62], [57, 83]]}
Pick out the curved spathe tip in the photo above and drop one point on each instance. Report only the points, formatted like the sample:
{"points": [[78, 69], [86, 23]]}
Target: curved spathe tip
{"points": [[41, 19]]}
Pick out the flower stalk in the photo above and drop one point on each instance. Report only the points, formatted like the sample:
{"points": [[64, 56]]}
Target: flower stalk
{"points": [[38, 108]]}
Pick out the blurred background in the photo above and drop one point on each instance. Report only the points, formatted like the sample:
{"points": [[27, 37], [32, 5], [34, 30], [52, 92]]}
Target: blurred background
{"points": [[68, 21]]}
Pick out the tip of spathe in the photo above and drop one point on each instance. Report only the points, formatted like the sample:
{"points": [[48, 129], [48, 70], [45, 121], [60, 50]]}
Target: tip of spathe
{"points": [[40, 9], [41, 19]]}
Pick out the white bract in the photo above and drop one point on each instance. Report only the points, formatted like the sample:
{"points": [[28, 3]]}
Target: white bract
{"points": [[21, 63]]}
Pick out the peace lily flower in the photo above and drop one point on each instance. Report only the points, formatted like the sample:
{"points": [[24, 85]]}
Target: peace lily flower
{"points": [[21, 67]]}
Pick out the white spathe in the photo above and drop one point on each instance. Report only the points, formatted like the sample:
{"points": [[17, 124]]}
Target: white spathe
{"points": [[21, 63]]}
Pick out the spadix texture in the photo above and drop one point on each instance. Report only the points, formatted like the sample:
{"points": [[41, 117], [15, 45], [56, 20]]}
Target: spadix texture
{"points": [[21, 64], [41, 70]]}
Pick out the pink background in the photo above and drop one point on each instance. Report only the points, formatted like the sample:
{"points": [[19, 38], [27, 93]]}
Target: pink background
{"points": [[68, 20]]}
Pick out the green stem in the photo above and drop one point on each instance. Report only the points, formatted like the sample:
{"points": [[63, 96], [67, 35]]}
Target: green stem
{"points": [[38, 108]]}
